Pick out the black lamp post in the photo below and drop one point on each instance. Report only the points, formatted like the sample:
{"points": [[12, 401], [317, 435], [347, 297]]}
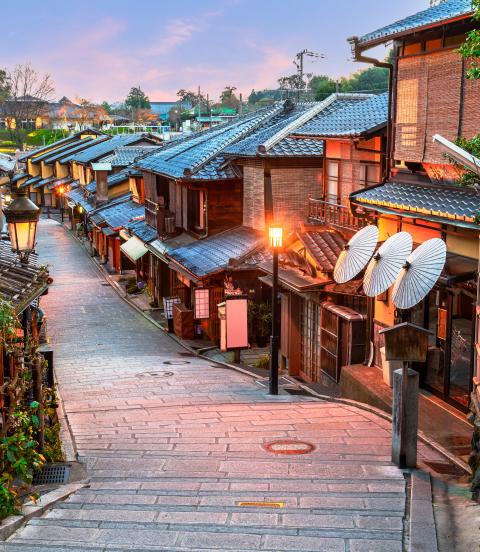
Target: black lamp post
{"points": [[22, 217], [61, 191], [275, 235]]}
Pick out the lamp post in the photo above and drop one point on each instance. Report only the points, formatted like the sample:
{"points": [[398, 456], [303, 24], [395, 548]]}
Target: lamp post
{"points": [[22, 217], [61, 191], [275, 235]]}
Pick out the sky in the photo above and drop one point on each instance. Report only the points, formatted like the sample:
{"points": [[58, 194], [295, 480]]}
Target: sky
{"points": [[99, 49]]}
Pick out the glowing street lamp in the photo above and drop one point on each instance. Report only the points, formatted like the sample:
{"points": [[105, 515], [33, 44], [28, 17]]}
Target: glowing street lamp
{"points": [[22, 217], [276, 239], [61, 191]]}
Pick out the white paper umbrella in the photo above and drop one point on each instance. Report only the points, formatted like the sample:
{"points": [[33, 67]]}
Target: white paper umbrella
{"points": [[420, 273], [387, 263], [356, 254]]}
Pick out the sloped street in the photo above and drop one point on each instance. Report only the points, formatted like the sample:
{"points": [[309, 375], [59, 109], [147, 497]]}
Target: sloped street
{"points": [[173, 444]]}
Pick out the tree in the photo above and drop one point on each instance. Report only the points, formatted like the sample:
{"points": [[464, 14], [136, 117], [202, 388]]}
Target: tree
{"points": [[190, 98], [322, 86], [292, 82], [136, 100], [107, 107], [374, 79], [175, 116], [470, 49], [26, 94], [228, 98]]}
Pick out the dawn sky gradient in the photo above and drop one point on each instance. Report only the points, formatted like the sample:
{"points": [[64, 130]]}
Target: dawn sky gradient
{"points": [[98, 49]]}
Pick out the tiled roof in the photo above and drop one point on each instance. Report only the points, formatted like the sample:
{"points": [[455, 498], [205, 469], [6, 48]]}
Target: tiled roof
{"points": [[79, 197], [118, 215], [191, 155], [324, 246], [18, 176], [213, 254], [7, 162], [57, 155], [61, 149], [452, 205], [20, 283], [126, 155], [30, 182], [297, 147], [352, 118], [448, 9], [106, 147], [43, 182], [143, 231]]}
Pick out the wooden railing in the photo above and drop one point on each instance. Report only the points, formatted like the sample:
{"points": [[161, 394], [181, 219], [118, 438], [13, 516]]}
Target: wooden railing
{"points": [[332, 214], [159, 218]]}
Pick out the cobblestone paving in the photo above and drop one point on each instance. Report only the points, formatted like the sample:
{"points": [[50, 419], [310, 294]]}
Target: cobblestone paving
{"points": [[172, 443]]}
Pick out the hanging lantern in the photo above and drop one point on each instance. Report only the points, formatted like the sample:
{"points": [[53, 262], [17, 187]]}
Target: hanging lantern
{"points": [[22, 218]]}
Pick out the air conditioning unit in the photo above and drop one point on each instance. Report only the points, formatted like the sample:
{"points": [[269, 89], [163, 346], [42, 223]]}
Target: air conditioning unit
{"points": [[169, 225]]}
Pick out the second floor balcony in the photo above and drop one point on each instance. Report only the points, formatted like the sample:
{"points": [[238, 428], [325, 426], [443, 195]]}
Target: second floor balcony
{"points": [[335, 215], [160, 218]]}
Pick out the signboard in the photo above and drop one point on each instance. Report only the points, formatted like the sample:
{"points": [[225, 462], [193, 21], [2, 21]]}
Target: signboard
{"points": [[236, 322]]}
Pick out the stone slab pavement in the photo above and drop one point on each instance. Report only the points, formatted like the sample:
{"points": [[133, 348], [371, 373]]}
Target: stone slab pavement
{"points": [[172, 443]]}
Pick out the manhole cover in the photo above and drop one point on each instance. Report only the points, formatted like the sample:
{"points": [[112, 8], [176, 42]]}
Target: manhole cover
{"points": [[446, 469], [288, 447], [52, 474], [176, 362], [161, 374]]}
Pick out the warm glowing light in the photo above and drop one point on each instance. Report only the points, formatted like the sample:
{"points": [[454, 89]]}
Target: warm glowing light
{"points": [[7, 198], [61, 190], [276, 235], [80, 209]]}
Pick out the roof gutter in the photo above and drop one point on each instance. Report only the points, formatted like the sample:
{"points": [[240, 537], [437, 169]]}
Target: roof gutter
{"points": [[358, 55]]}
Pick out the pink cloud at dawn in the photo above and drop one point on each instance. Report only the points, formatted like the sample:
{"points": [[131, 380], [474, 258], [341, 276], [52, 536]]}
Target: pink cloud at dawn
{"points": [[102, 50]]}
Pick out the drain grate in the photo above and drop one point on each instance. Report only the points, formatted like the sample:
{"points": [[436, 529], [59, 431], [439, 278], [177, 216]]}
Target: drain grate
{"points": [[446, 469], [176, 362], [288, 446], [244, 504], [52, 474], [161, 374], [281, 381]]}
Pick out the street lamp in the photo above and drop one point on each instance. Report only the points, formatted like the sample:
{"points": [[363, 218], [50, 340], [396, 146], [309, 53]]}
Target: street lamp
{"points": [[22, 218], [61, 191], [275, 235]]}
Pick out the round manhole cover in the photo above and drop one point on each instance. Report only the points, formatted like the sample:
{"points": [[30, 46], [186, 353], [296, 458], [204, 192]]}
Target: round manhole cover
{"points": [[176, 362], [288, 447], [152, 374]]}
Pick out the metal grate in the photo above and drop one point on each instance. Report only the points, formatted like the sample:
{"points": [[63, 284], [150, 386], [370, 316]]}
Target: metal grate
{"points": [[52, 474], [281, 381], [155, 374], [176, 362], [260, 504]]}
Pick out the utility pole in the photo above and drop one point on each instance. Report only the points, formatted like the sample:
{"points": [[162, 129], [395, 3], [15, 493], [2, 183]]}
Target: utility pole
{"points": [[299, 61]]}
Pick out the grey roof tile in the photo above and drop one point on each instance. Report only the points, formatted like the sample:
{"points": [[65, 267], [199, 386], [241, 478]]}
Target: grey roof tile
{"points": [[351, 118], [106, 147], [427, 200], [127, 155], [443, 11], [56, 151], [213, 254], [118, 215], [143, 231], [112, 180]]}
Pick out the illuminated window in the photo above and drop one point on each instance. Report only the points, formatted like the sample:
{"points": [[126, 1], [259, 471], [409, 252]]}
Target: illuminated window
{"points": [[202, 303], [411, 49]]}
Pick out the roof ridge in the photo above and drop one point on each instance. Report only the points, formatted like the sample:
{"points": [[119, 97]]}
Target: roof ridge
{"points": [[250, 128], [304, 118]]}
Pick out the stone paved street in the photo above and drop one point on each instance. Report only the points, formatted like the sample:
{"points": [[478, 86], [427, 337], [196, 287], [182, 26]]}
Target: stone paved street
{"points": [[172, 443]]}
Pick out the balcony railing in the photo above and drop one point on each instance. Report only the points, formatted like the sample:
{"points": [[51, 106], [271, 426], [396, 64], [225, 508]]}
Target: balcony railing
{"points": [[331, 214], [159, 218]]}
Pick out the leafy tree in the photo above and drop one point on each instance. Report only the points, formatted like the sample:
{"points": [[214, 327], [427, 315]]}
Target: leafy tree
{"points": [[107, 107], [322, 86], [137, 99], [374, 79], [4, 91], [470, 49], [189, 97], [228, 98], [292, 82]]}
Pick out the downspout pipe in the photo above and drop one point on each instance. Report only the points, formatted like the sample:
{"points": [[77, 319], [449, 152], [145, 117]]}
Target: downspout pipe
{"points": [[358, 56]]}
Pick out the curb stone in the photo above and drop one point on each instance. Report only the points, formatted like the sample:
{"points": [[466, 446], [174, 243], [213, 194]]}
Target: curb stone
{"points": [[9, 525], [423, 535]]}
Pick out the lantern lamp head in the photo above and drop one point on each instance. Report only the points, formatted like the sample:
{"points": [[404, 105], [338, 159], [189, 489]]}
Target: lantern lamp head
{"points": [[21, 216], [276, 237]]}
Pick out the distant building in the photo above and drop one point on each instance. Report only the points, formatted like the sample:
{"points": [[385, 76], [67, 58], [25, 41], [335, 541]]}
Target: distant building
{"points": [[163, 108]]}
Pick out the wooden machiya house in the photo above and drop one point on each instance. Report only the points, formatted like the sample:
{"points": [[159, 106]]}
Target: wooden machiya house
{"points": [[44, 168], [299, 174], [431, 96]]}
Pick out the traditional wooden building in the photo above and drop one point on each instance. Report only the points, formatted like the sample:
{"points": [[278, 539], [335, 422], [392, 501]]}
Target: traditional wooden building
{"points": [[431, 96]]}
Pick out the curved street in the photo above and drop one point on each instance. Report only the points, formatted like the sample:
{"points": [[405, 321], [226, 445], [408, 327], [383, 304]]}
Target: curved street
{"points": [[173, 444]]}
